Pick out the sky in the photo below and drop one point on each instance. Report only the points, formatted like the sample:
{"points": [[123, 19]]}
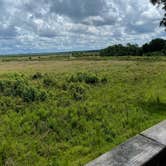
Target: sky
{"points": [[29, 26]]}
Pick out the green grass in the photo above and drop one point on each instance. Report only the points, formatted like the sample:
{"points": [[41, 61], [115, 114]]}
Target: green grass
{"points": [[65, 112]]}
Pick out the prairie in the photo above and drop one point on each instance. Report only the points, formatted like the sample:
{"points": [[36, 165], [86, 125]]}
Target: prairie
{"points": [[67, 111]]}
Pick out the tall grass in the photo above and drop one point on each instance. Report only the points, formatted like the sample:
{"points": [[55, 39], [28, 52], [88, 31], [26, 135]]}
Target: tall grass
{"points": [[71, 118]]}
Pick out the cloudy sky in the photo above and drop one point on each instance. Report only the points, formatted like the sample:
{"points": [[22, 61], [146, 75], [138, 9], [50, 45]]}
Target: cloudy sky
{"points": [[60, 25]]}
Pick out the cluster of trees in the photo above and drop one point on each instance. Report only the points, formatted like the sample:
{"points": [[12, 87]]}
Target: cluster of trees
{"points": [[156, 46], [120, 50]]}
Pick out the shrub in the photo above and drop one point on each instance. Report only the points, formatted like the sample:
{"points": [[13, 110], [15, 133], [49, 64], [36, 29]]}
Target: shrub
{"points": [[21, 88], [91, 79], [43, 95], [104, 80], [30, 94], [37, 75], [63, 99], [87, 78], [78, 91], [4, 84], [49, 82], [84, 77], [7, 102]]}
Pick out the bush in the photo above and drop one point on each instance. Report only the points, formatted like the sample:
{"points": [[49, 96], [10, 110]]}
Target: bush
{"points": [[78, 91], [49, 82], [104, 80], [29, 94], [33, 94], [87, 78], [37, 75], [21, 88], [7, 102], [84, 77]]}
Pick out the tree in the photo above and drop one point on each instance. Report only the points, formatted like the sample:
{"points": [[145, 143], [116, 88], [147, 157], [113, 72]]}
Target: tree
{"points": [[161, 2], [157, 45], [154, 45], [120, 50], [145, 48]]}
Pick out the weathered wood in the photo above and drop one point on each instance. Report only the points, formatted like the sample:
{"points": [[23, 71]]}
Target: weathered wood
{"points": [[147, 148], [157, 133], [135, 151]]}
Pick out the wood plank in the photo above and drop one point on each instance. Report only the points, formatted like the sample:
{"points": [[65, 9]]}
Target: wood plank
{"points": [[135, 152], [157, 133]]}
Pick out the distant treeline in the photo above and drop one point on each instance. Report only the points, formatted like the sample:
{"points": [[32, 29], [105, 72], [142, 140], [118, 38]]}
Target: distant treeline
{"points": [[154, 47]]}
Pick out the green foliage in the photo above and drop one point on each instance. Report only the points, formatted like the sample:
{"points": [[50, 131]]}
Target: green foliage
{"points": [[154, 47], [88, 78], [37, 75], [71, 118], [120, 50], [78, 91], [20, 87], [48, 81]]}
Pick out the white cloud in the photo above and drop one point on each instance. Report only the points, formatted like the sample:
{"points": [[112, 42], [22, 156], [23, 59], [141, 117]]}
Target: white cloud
{"points": [[48, 25]]}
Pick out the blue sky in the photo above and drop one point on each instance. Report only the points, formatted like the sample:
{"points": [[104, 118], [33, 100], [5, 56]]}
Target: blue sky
{"points": [[28, 26]]}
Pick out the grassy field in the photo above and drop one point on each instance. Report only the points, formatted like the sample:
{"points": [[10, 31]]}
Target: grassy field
{"points": [[67, 111]]}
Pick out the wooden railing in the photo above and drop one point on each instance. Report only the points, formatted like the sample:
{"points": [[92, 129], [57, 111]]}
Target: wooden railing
{"points": [[146, 149]]}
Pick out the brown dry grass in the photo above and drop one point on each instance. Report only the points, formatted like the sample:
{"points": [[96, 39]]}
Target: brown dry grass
{"points": [[56, 66]]}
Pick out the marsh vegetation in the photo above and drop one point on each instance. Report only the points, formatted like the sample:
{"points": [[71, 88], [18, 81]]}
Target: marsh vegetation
{"points": [[67, 112]]}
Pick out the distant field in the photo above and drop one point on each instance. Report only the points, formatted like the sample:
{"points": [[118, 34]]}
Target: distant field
{"points": [[60, 64], [62, 111]]}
